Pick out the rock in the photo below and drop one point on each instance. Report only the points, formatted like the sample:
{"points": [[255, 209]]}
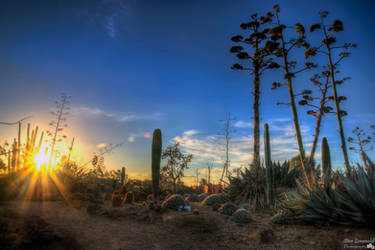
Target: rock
{"points": [[228, 208], [213, 199], [195, 211], [241, 216], [202, 197], [283, 217], [193, 198], [264, 235], [173, 202], [215, 207]]}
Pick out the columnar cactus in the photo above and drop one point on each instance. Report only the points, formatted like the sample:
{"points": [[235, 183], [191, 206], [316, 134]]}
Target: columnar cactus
{"points": [[156, 158], [326, 161], [123, 176], [268, 161]]}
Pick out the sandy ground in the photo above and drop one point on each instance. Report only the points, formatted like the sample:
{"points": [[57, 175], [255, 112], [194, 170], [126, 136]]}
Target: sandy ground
{"points": [[64, 226]]}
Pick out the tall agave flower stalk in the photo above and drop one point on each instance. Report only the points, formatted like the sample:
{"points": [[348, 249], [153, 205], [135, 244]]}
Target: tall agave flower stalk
{"points": [[318, 104], [288, 66], [259, 57], [329, 43]]}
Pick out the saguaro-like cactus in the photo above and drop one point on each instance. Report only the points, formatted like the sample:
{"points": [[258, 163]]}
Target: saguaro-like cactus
{"points": [[123, 176], [156, 158], [326, 161], [269, 167]]}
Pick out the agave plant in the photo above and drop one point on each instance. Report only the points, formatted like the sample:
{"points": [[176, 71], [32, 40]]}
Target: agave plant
{"points": [[284, 175], [353, 203], [249, 187]]}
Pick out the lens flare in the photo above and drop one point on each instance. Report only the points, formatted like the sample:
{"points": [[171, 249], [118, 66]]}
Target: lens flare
{"points": [[41, 159]]}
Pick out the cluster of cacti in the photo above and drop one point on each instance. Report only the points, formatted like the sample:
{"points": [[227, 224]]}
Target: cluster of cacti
{"points": [[156, 158], [19, 157]]}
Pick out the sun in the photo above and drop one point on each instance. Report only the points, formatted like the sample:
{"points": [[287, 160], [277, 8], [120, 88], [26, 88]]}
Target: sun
{"points": [[41, 159]]}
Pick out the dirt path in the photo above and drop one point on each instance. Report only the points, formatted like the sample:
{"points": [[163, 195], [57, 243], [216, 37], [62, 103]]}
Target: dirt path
{"points": [[77, 229]]}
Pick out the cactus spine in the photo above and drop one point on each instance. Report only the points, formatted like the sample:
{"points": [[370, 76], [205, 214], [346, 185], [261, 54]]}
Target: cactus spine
{"points": [[268, 161], [326, 162], [156, 158]]}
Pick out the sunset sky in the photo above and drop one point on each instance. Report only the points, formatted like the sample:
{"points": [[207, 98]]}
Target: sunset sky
{"points": [[133, 66]]}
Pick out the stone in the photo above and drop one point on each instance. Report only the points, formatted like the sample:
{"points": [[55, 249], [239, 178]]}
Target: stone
{"points": [[241, 216], [213, 199], [265, 235], [215, 207], [228, 208], [195, 211], [202, 197], [283, 217], [193, 198], [173, 202]]}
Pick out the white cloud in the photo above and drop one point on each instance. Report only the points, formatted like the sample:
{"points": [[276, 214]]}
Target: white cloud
{"points": [[129, 117], [243, 124], [191, 132], [211, 148]]}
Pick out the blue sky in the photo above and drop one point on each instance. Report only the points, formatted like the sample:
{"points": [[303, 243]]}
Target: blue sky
{"points": [[132, 66]]}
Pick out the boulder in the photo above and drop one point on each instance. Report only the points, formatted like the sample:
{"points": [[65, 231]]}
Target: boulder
{"points": [[241, 216], [228, 208], [202, 197], [213, 199], [263, 235], [284, 216], [193, 198], [173, 202]]}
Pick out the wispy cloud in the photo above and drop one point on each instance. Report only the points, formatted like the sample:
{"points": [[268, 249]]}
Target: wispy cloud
{"points": [[128, 117]]}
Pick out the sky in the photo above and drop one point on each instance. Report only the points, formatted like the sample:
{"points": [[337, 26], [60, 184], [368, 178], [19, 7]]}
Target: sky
{"points": [[133, 66]]}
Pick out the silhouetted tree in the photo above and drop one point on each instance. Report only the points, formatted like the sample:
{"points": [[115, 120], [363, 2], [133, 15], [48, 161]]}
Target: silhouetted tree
{"points": [[318, 104], [226, 133], [362, 144], [287, 45], [258, 54], [177, 163], [59, 124], [335, 54]]}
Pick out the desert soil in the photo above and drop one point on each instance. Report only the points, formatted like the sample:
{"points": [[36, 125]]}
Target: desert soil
{"points": [[57, 225]]}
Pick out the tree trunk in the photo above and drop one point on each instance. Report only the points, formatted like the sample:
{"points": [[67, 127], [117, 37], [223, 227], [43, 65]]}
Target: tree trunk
{"points": [[256, 95]]}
